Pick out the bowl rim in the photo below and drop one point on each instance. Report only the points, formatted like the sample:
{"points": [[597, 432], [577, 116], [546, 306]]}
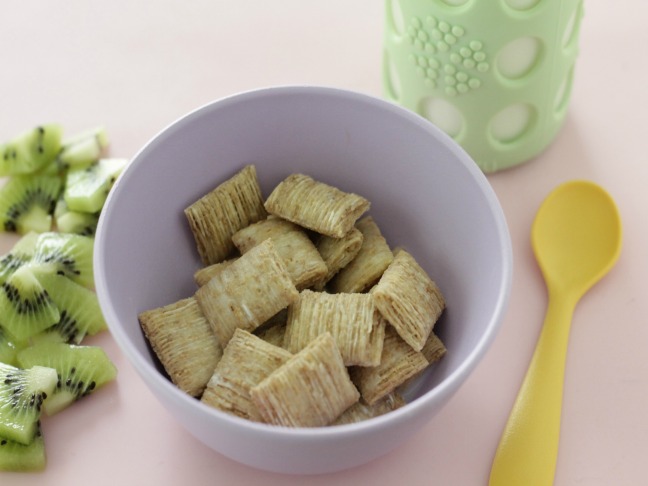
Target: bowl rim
{"points": [[154, 379]]}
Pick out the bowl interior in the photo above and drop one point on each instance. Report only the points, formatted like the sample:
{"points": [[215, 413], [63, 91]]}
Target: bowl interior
{"points": [[426, 196]]}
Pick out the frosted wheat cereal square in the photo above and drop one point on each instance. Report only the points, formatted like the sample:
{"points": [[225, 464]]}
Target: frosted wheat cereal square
{"points": [[311, 389], [216, 216], [246, 361], [409, 299], [247, 292], [315, 205]]}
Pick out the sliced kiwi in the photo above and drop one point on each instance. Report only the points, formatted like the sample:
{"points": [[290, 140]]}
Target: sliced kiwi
{"points": [[25, 306], [22, 392], [65, 254], [81, 370], [68, 221], [78, 307], [80, 150], [31, 150], [27, 203], [86, 189], [15, 456], [21, 254], [8, 348]]}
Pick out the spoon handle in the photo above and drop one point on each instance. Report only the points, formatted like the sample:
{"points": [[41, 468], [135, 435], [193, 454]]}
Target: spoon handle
{"points": [[528, 448]]}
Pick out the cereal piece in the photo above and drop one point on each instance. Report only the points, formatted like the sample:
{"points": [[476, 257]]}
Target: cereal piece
{"points": [[409, 299], [303, 262], [311, 389], [370, 262], [274, 329], [316, 205], [247, 292], [183, 342], [434, 349], [205, 274], [399, 362], [361, 411], [273, 335], [215, 217], [352, 320], [338, 253], [246, 361]]}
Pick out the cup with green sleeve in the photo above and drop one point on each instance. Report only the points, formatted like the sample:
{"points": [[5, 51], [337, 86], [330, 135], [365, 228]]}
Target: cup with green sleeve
{"points": [[496, 75]]}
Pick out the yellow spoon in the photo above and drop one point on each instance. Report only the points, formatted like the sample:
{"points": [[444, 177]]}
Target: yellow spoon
{"points": [[576, 237]]}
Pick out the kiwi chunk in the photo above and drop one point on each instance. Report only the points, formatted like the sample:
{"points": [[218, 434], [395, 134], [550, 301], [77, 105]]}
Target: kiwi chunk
{"points": [[68, 221], [8, 348], [25, 306], [21, 254], [65, 254], [31, 150], [27, 203], [15, 456], [81, 370], [22, 392], [86, 189], [82, 149], [78, 307]]}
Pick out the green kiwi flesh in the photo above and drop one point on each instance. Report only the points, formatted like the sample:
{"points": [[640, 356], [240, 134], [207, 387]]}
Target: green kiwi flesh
{"points": [[78, 307], [8, 348], [22, 393], [15, 456], [47, 303], [27, 203], [86, 189], [65, 254], [81, 370], [82, 149], [76, 222], [31, 150], [21, 254], [25, 306]]}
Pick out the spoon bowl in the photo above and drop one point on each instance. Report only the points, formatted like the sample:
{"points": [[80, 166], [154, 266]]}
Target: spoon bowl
{"points": [[576, 237]]}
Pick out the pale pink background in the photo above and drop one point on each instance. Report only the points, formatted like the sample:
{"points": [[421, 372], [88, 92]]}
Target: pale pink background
{"points": [[136, 66]]}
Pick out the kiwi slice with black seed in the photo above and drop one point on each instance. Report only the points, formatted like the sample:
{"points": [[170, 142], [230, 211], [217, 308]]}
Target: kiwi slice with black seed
{"points": [[15, 456], [65, 254], [82, 149], [78, 307], [86, 189], [22, 392], [81, 370], [21, 254], [25, 306], [68, 221], [27, 203], [31, 150]]}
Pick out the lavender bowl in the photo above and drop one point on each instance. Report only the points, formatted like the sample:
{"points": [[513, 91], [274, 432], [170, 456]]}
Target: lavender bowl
{"points": [[427, 195]]}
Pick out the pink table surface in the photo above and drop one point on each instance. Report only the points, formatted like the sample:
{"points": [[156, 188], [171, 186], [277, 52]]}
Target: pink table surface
{"points": [[136, 66]]}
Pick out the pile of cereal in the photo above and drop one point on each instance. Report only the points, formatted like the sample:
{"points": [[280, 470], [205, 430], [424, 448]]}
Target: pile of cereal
{"points": [[304, 316]]}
